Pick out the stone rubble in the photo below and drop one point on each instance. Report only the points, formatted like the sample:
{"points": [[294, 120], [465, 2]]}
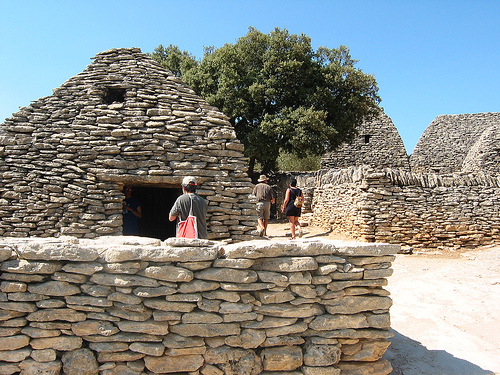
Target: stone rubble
{"points": [[131, 305]]}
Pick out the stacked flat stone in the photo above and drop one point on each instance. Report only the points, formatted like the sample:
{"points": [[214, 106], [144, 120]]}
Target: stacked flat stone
{"points": [[458, 143], [377, 143], [123, 120], [131, 305], [484, 155], [418, 210]]}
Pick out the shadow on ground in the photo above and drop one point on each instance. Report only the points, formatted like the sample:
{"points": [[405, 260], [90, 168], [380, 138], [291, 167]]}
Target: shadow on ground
{"points": [[410, 357]]}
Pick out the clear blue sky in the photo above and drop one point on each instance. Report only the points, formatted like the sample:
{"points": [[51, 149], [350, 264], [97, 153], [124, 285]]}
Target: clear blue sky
{"points": [[429, 57]]}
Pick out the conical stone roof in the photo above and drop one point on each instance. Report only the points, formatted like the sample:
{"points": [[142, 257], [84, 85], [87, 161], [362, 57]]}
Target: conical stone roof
{"points": [[447, 141], [377, 144], [123, 120], [484, 155]]}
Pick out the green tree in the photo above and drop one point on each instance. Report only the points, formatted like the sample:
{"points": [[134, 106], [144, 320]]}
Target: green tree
{"points": [[282, 96], [173, 59]]}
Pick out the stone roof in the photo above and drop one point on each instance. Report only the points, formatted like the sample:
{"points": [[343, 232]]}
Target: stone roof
{"points": [[123, 120], [377, 144], [459, 143]]}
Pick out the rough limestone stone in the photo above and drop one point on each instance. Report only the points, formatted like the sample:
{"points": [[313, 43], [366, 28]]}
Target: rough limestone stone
{"points": [[329, 370], [186, 363], [5, 253], [248, 338], [80, 362], [206, 330], [234, 361], [61, 343], [228, 275], [286, 264], [285, 311], [94, 327], [44, 355], [201, 317], [173, 340], [49, 315], [282, 358], [30, 367], [380, 367], [14, 342], [9, 368], [18, 306], [117, 370], [150, 327], [15, 355], [355, 304], [287, 330], [56, 251], [124, 356], [54, 288], [369, 350], [86, 268], [321, 355], [151, 349], [30, 267], [123, 280], [169, 273]]}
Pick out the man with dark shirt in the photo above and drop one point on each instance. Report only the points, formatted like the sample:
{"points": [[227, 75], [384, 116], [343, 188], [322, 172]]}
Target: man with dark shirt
{"points": [[132, 212], [190, 201]]}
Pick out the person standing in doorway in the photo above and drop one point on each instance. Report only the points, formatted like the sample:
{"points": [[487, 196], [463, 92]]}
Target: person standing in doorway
{"points": [[265, 196], [132, 212], [290, 210], [188, 202]]}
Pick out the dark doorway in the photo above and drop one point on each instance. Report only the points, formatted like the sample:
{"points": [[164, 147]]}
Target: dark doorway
{"points": [[156, 204]]}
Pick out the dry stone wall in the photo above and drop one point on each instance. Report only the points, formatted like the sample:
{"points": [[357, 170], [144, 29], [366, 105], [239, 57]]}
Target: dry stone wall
{"points": [[124, 120], [132, 305], [418, 210]]}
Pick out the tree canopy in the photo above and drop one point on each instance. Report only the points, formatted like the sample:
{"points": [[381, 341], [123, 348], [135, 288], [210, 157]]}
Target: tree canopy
{"points": [[280, 94]]}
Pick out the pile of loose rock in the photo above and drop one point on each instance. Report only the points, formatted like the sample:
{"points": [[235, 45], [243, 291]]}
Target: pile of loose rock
{"points": [[132, 305]]}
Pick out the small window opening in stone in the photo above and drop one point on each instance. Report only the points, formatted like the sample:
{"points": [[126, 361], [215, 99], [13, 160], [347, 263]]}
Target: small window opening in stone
{"points": [[114, 95], [367, 138]]}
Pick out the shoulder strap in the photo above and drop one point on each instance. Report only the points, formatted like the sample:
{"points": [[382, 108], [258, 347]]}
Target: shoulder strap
{"points": [[191, 208]]}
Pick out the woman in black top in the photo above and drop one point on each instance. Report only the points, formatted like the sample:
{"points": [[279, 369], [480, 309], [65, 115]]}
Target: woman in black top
{"points": [[289, 209]]}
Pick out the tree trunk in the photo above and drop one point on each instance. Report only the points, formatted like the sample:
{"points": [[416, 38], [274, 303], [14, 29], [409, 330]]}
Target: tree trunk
{"points": [[251, 166]]}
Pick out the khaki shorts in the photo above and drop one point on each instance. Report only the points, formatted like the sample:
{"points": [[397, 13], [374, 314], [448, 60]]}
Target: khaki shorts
{"points": [[264, 210]]}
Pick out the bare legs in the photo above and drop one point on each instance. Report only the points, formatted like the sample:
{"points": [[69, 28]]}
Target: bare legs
{"points": [[263, 227], [294, 221]]}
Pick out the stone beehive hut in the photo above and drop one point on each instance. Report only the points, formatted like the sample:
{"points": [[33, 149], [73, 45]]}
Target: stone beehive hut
{"points": [[377, 144], [459, 143], [123, 121]]}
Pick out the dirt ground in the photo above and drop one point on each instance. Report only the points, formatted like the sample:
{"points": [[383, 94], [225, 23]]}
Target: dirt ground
{"points": [[446, 309]]}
